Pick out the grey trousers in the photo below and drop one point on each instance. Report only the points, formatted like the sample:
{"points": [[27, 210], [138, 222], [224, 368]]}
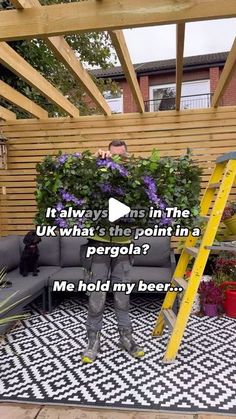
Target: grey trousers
{"points": [[119, 269]]}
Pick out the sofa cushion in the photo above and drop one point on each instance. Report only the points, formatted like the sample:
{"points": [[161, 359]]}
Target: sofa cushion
{"points": [[9, 252], [69, 274], [158, 253], [43, 275], [70, 250], [49, 251], [25, 287]]}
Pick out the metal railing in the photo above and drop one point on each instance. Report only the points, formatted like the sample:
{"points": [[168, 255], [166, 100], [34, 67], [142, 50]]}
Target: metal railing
{"points": [[186, 102]]}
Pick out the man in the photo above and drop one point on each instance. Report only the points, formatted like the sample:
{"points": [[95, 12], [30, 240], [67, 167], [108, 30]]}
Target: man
{"points": [[119, 269]]}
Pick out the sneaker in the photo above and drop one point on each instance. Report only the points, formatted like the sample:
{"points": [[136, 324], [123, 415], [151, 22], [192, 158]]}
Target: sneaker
{"points": [[127, 342], [90, 353]]}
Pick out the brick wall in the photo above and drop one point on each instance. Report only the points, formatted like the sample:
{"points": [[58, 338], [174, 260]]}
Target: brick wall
{"points": [[213, 74], [229, 97], [214, 78], [170, 77]]}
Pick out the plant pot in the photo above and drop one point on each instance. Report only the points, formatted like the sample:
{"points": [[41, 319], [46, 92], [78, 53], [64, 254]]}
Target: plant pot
{"points": [[210, 310], [231, 224], [230, 298]]}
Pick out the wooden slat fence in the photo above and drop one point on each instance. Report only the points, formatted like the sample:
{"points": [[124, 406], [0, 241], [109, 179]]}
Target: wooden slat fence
{"points": [[209, 133]]}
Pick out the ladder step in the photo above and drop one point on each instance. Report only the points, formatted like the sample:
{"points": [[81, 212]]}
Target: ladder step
{"points": [[181, 282], [230, 238], [169, 317], [192, 250], [213, 186], [225, 248]]}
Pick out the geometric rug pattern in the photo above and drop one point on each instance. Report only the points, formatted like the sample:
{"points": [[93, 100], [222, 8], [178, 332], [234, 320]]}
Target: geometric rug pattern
{"points": [[40, 361]]}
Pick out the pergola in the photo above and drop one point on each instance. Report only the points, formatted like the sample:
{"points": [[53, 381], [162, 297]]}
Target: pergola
{"points": [[30, 139]]}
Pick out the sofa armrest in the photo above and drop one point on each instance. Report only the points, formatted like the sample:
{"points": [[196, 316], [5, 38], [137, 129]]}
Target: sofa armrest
{"points": [[172, 261]]}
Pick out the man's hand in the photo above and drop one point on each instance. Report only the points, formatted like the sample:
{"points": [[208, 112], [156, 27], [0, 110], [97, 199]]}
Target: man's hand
{"points": [[103, 154]]}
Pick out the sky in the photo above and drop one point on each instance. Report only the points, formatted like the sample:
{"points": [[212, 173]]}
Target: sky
{"points": [[158, 42]]}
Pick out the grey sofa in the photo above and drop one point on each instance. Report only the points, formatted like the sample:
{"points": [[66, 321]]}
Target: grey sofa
{"points": [[60, 260]]}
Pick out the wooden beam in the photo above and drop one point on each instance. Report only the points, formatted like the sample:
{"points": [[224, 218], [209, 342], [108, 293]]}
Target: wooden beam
{"points": [[118, 41], [226, 76], [15, 97], [12, 60], [64, 53], [93, 15], [180, 31], [23, 4], [6, 114]]}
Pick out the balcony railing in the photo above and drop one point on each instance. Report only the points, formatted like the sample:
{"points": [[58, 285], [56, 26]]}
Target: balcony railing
{"points": [[186, 102]]}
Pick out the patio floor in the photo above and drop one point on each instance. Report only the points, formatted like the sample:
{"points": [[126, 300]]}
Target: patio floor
{"points": [[40, 363], [30, 411]]}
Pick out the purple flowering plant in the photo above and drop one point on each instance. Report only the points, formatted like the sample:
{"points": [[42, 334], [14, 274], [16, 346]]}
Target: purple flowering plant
{"points": [[83, 181], [210, 293]]}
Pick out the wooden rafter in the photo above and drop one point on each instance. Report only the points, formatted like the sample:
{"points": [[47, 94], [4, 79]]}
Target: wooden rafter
{"points": [[12, 60], [226, 75], [15, 97], [93, 15], [118, 41], [180, 31], [64, 52], [25, 4], [6, 114]]}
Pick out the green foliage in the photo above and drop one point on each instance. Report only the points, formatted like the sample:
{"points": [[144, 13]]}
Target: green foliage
{"points": [[93, 49], [224, 267], [84, 181], [7, 305]]}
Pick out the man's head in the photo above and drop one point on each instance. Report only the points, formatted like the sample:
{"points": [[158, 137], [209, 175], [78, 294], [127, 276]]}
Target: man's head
{"points": [[118, 147]]}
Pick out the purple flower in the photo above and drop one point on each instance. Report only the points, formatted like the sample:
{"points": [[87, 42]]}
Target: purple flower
{"points": [[151, 191], [80, 222], [165, 221], [59, 206], [61, 222], [62, 158], [110, 164], [106, 187], [66, 196], [118, 191], [78, 201], [76, 154]]}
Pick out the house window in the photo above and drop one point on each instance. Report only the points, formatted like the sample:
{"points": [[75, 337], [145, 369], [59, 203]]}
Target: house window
{"points": [[114, 100], [194, 94]]}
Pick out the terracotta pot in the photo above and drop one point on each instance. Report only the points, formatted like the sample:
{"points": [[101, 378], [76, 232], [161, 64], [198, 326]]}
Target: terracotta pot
{"points": [[231, 224], [210, 310]]}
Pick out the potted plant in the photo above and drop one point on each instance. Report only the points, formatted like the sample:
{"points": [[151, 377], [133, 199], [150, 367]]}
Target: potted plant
{"points": [[229, 217], [3, 282], [224, 267], [211, 297], [225, 277], [6, 304]]}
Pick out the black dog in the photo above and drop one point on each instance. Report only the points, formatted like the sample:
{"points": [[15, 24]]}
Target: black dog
{"points": [[30, 254]]}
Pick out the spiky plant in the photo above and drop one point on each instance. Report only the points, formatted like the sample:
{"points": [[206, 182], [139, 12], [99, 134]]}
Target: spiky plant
{"points": [[6, 304]]}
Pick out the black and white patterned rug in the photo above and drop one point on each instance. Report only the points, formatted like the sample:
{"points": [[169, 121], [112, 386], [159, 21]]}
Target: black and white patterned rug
{"points": [[40, 362]]}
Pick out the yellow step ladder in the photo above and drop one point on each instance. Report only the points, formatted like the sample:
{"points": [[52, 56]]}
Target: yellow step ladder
{"points": [[217, 192]]}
